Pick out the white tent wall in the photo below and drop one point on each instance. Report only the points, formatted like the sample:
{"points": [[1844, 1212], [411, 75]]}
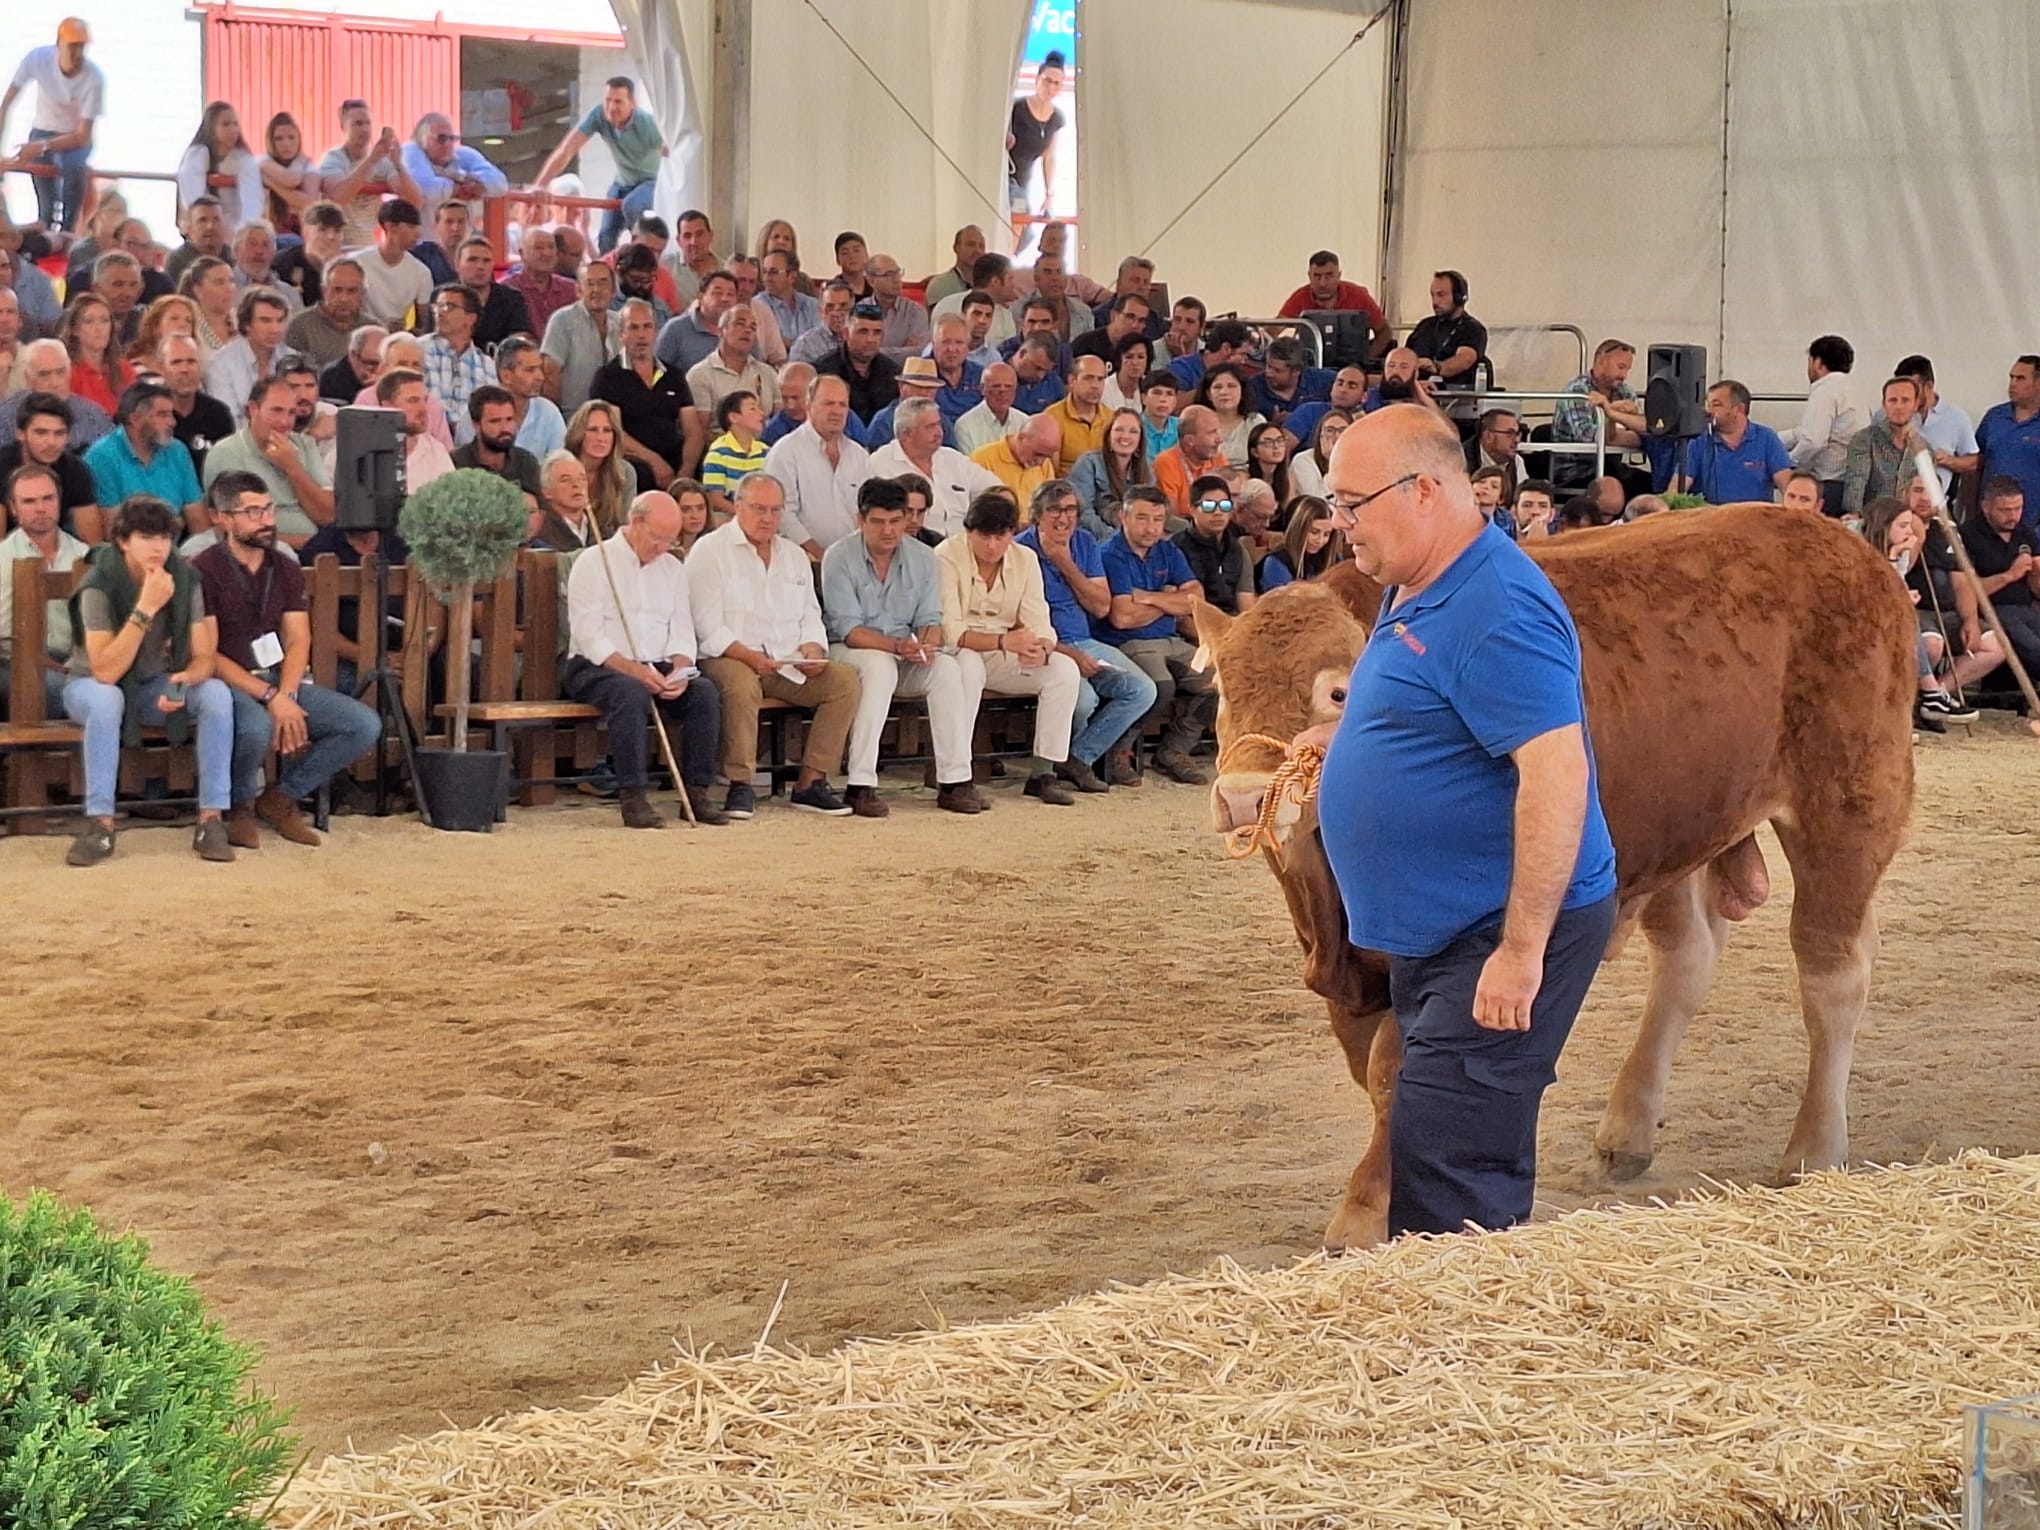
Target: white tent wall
{"points": [[1172, 89], [669, 47]]}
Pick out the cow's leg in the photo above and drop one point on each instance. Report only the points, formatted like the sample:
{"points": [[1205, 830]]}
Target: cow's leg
{"points": [[1686, 934], [1373, 1050]]}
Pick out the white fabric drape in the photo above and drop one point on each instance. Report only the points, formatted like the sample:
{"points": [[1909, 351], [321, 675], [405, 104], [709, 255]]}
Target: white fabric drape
{"points": [[1172, 89], [668, 42]]}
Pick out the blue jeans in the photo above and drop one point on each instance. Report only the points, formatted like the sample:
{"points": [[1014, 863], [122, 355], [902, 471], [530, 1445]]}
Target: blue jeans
{"points": [[53, 690], [637, 200], [99, 708], [340, 728], [1109, 702], [66, 188]]}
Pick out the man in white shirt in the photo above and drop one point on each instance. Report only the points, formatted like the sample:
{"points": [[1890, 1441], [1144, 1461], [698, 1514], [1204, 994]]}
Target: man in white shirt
{"points": [[541, 429], [630, 647], [995, 418], [761, 634], [253, 354], [34, 501], [394, 282], [916, 447], [359, 162], [991, 274], [69, 96], [1837, 407], [821, 469], [255, 263]]}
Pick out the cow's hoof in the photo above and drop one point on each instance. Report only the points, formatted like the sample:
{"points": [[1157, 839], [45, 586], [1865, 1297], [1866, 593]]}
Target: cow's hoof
{"points": [[1357, 1228], [1621, 1168]]}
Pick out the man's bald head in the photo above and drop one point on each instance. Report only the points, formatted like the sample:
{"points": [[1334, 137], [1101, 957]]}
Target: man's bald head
{"points": [[1400, 364], [1399, 489], [1200, 432], [654, 524], [1042, 438]]}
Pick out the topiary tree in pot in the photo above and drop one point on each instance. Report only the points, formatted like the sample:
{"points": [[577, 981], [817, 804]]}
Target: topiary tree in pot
{"points": [[463, 529], [121, 1403]]}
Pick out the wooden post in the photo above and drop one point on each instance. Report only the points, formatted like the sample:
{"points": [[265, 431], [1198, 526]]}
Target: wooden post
{"points": [[729, 123]]}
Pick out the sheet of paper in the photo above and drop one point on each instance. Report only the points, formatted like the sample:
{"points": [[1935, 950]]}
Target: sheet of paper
{"points": [[791, 675]]}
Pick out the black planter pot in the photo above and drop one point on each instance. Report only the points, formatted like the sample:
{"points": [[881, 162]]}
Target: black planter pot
{"points": [[464, 789]]}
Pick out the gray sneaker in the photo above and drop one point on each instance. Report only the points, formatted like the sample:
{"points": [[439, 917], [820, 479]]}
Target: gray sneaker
{"points": [[209, 839], [93, 845]]}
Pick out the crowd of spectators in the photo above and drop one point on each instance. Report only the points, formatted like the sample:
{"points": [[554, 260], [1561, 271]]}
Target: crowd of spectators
{"points": [[1003, 479]]}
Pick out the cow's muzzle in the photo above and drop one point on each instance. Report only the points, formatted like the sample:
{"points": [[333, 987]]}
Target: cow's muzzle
{"points": [[1258, 809]]}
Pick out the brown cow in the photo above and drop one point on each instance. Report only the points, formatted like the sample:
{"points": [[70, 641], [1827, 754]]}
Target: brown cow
{"points": [[1743, 666]]}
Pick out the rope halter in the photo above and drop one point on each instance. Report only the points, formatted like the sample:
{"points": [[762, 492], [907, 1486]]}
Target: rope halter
{"points": [[1294, 783]]}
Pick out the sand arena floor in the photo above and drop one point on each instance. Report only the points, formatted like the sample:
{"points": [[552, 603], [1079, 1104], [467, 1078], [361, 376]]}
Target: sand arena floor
{"points": [[921, 1071]]}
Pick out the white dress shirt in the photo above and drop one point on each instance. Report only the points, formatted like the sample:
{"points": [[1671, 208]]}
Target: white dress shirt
{"points": [[1836, 408], [956, 481], [655, 595], [231, 375], [739, 598], [821, 499], [977, 427]]}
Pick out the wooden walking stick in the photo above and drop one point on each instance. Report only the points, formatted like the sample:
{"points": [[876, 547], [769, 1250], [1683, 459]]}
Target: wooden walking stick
{"points": [[1923, 463], [601, 550]]}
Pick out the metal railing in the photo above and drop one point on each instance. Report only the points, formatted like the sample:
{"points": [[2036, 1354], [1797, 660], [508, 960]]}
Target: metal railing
{"points": [[1312, 337], [1597, 447]]}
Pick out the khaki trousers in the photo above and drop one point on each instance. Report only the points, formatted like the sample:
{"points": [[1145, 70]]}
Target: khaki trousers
{"points": [[830, 695], [1055, 683]]}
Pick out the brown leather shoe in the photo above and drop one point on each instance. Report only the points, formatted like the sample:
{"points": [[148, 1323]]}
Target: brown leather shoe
{"points": [[959, 797], [638, 812], [1180, 768], [865, 802], [282, 815], [242, 833], [1120, 769]]}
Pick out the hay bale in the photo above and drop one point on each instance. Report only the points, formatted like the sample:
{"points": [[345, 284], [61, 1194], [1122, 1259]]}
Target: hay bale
{"points": [[1747, 1358]]}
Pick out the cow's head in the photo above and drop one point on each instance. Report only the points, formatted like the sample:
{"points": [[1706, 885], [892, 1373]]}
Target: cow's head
{"points": [[1280, 668]]}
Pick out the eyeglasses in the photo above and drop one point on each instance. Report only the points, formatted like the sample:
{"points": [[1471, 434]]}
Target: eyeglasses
{"points": [[1215, 506], [1349, 508], [446, 138], [255, 512], [1060, 507]]}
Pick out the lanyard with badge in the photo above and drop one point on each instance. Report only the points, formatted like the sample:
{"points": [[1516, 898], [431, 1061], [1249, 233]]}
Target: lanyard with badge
{"points": [[266, 650]]}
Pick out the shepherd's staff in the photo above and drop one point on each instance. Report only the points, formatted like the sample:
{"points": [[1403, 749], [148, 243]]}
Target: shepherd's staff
{"points": [[1923, 464], [601, 551]]}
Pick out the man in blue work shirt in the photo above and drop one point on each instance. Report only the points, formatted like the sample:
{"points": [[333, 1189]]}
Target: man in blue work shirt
{"points": [[1460, 817], [2009, 435], [1152, 591], [1738, 461], [1116, 693]]}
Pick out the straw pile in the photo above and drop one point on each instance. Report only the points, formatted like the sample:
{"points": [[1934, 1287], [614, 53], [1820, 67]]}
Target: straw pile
{"points": [[1750, 1358]]}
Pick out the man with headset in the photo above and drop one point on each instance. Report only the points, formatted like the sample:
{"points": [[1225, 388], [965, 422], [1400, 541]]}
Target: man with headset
{"points": [[1451, 342], [1738, 460]]}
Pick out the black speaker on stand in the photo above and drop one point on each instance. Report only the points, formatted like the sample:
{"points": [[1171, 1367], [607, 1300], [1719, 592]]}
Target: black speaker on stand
{"points": [[368, 495], [1675, 397]]}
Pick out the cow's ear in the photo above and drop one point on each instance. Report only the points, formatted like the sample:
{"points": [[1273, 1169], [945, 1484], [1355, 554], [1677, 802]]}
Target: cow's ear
{"points": [[1212, 626], [1359, 594]]}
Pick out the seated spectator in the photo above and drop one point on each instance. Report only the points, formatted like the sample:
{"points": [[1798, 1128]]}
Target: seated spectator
{"points": [[1081, 416], [967, 246], [639, 268], [1101, 478], [117, 277], [145, 659], [444, 169], [920, 497], [45, 367], [860, 360], [98, 371], [1152, 588], [827, 337], [695, 333], [322, 332], [792, 311], [1038, 385], [354, 174], [979, 347], [883, 612], [1184, 335], [1025, 460], [1488, 489], [166, 316], [492, 445], [580, 338], [287, 463], [696, 519], [917, 448], [1501, 433], [2004, 548], [143, 456], [733, 366], [1450, 343], [1610, 497], [818, 470], [536, 278], [42, 436], [959, 388], [761, 634], [33, 504], [1128, 316], [354, 374], [1308, 467], [1226, 343], [993, 417], [217, 149], [1053, 243], [1214, 549], [693, 259], [1836, 410], [626, 664], [1309, 548], [994, 603], [256, 599], [1326, 292], [302, 267], [1945, 428], [1802, 491], [1946, 599], [10, 330], [1287, 382], [209, 283], [771, 343], [311, 415], [594, 436], [1348, 392], [1069, 318], [425, 456], [1580, 513], [1136, 278], [202, 421], [906, 325], [1268, 459], [636, 145], [991, 276], [1115, 694], [255, 261], [1645, 504], [1880, 463], [566, 526], [1737, 460], [1401, 383], [1158, 399], [541, 428], [1890, 526], [502, 311], [662, 431], [40, 310], [853, 262], [1254, 510], [454, 365], [1199, 450], [737, 448], [256, 352], [349, 548], [395, 284], [1131, 362], [1223, 391], [1534, 508]]}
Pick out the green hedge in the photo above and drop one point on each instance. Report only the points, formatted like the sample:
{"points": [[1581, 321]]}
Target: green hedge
{"points": [[121, 1403]]}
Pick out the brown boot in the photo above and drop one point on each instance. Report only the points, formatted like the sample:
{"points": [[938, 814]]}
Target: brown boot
{"points": [[242, 833], [638, 812], [1120, 771], [282, 815]]}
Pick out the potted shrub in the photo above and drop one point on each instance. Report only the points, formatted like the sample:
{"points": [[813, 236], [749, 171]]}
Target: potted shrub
{"points": [[121, 1402], [464, 529]]}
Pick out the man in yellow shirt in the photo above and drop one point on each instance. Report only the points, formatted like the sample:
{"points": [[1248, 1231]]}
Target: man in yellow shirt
{"points": [[1026, 460], [1081, 414]]}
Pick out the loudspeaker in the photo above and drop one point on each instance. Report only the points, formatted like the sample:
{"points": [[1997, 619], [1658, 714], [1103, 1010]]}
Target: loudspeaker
{"points": [[1675, 402], [1345, 335], [368, 469]]}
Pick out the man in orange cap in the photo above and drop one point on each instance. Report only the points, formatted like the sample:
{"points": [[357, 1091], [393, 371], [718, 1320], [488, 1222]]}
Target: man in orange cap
{"points": [[69, 93]]}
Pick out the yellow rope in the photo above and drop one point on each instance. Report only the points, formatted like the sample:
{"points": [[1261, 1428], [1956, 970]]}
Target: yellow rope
{"points": [[1295, 779]]}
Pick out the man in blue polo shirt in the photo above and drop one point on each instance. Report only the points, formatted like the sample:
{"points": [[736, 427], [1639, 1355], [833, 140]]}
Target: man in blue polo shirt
{"points": [[1738, 460], [1116, 693], [1460, 817], [2009, 434], [143, 455], [1152, 591]]}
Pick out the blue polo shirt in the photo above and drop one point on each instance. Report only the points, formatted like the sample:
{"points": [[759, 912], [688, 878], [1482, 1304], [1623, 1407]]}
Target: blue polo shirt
{"points": [[1314, 386], [118, 472], [880, 431], [958, 401], [2012, 448], [1033, 397], [1417, 802], [1725, 475], [1127, 571], [1159, 441], [1188, 371], [1072, 621]]}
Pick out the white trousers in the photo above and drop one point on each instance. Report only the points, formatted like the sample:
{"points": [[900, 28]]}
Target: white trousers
{"points": [[952, 686], [1056, 683]]}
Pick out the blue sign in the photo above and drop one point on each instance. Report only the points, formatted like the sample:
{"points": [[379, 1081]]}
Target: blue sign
{"points": [[1054, 29]]}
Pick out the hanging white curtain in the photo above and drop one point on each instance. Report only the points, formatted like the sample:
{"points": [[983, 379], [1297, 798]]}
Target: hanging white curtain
{"points": [[668, 43]]}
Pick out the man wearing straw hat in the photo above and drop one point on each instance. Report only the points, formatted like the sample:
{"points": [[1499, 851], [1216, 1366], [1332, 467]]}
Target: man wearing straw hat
{"points": [[1460, 817]]}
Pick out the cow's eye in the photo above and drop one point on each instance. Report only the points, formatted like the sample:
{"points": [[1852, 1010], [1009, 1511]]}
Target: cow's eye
{"points": [[1338, 695]]}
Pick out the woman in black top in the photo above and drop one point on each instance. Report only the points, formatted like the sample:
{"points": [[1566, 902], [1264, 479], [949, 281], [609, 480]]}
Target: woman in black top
{"points": [[1030, 136]]}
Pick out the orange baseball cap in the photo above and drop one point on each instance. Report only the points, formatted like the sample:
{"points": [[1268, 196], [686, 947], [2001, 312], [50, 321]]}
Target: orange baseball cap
{"points": [[72, 30]]}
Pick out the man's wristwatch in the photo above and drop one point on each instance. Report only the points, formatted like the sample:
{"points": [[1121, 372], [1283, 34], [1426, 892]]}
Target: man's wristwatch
{"points": [[270, 695]]}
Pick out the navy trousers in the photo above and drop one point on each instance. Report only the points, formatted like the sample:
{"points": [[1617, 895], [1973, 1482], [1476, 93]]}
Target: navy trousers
{"points": [[1462, 1134]]}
